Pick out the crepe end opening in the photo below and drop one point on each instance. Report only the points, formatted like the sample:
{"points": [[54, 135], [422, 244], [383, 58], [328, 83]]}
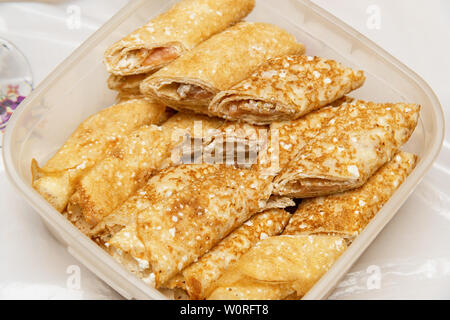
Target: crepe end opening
{"points": [[182, 92], [313, 187], [141, 60], [252, 110]]}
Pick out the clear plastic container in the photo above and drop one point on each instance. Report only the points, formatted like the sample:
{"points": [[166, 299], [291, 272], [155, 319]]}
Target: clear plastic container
{"points": [[77, 89]]}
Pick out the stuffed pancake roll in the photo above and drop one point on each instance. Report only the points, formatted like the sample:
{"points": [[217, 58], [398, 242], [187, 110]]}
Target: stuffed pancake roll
{"points": [[287, 266], [172, 34], [278, 267], [200, 277], [288, 137], [347, 214], [286, 88], [129, 165], [346, 152], [217, 64], [56, 180], [185, 211], [118, 233]]}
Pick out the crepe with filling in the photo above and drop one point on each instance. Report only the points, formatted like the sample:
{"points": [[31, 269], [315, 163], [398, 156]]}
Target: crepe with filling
{"points": [[172, 34], [286, 138], [270, 148], [191, 82], [56, 180], [347, 214], [346, 152], [118, 234], [199, 278], [183, 212], [129, 165], [334, 219], [278, 267], [286, 88]]}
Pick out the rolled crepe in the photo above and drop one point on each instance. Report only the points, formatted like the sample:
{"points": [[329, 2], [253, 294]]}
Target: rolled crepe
{"points": [[173, 33], [347, 214], [129, 165], [88, 144], [287, 138], [346, 152], [183, 212], [199, 277], [279, 267], [217, 200], [289, 265], [127, 248], [246, 145], [191, 82], [118, 234], [286, 88]]}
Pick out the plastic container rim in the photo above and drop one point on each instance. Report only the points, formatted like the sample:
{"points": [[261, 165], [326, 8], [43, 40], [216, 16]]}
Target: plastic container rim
{"points": [[330, 279]]}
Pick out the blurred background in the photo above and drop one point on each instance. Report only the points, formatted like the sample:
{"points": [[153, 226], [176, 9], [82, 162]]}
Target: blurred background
{"points": [[410, 258]]}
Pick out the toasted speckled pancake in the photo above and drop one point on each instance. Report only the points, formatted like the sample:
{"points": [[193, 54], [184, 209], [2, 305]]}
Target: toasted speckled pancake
{"points": [[279, 266], [288, 137], [56, 180], [347, 214], [200, 276], [185, 211], [287, 266], [130, 164], [125, 246], [345, 153], [286, 88], [172, 34], [192, 81]]}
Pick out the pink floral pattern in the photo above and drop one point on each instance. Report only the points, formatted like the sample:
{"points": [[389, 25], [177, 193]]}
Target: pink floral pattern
{"points": [[9, 101]]}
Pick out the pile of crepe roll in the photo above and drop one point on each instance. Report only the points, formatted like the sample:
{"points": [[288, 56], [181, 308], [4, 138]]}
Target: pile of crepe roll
{"points": [[217, 228]]}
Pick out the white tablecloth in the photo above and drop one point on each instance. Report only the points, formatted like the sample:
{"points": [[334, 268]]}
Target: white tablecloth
{"points": [[411, 255]]}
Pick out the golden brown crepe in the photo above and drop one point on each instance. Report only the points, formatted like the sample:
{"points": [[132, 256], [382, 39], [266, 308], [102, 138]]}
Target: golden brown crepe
{"points": [[288, 266], [199, 278], [278, 267], [269, 148], [173, 33], [183, 212], [286, 88], [347, 214], [191, 82], [286, 138], [217, 200], [125, 246], [88, 144], [128, 166], [345, 153]]}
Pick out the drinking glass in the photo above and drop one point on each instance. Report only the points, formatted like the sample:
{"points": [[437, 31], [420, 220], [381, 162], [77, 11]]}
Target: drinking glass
{"points": [[16, 81]]}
